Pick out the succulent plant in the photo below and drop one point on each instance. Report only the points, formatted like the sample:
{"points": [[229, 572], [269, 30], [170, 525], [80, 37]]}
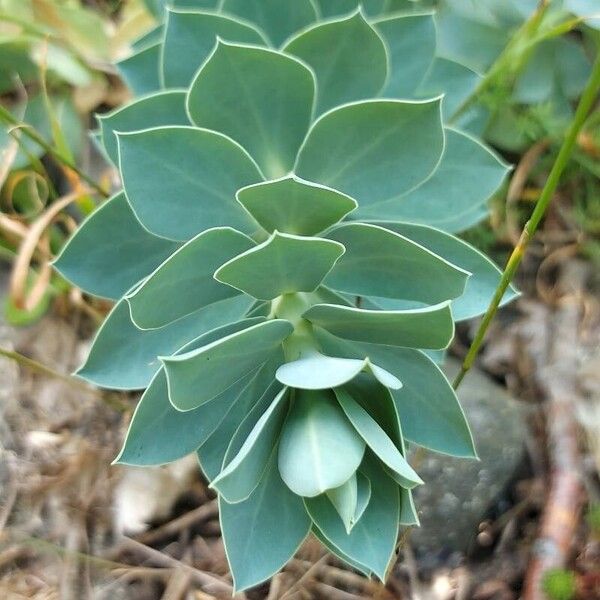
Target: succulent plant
{"points": [[284, 267]]}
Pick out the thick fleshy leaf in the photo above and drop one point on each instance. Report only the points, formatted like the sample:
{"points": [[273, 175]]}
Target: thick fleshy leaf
{"points": [[125, 357], [190, 38], [283, 264], [485, 275], [363, 495], [278, 18], [184, 283], [377, 439], [243, 473], [408, 510], [111, 251], [261, 98], [154, 110], [337, 552], [292, 205], [465, 221], [200, 375], [429, 410], [334, 8], [383, 262], [182, 180], [262, 533], [452, 79], [355, 70], [465, 38], [241, 418], [158, 433], [372, 541], [467, 176], [140, 70], [319, 449], [374, 150], [377, 400], [319, 372], [430, 327], [345, 500], [410, 40]]}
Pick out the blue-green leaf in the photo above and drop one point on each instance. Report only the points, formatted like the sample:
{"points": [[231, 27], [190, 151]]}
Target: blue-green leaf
{"points": [[278, 18], [190, 38], [184, 283], [429, 410], [319, 449], [292, 205], [261, 98], [243, 473], [375, 150], [284, 264], [485, 275], [140, 70], [372, 541], [348, 57], [182, 180], [384, 262], [411, 41], [452, 79], [240, 419], [262, 533], [345, 500], [467, 176], [377, 440], [111, 251], [430, 327], [125, 357], [319, 372], [158, 433], [154, 110], [200, 375]]}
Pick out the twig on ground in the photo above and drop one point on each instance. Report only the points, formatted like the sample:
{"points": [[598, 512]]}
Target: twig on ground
{"points": [[557, 380]]}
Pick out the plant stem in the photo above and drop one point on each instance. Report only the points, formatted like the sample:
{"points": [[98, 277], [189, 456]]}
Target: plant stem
{"points": [[585, 104], [42, 369], [30, 132]]}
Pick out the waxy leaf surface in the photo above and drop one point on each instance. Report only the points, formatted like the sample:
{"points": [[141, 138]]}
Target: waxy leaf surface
{"points": [[430, 327], [125, 357], [319, 449], [375, 150], [261, 98], [319, 372], [154, 110], [356, 70], [264, 531], [184, 283], [111, 251], [200, 375], [190, 38], [292, 205], [182, 180], [410, 40], [381, 262], [243, 473], [283, 264], [277, 18]]}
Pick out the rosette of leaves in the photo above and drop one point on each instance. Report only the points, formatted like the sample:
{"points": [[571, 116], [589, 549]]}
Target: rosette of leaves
{"points": [[283, 268]]}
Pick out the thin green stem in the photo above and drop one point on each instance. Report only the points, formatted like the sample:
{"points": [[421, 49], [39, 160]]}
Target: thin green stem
{"points": [[30, 132], [585, 104], [37, 367]]}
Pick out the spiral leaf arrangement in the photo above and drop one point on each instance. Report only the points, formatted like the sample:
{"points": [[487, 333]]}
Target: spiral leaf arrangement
{"points": [[283, 264]]}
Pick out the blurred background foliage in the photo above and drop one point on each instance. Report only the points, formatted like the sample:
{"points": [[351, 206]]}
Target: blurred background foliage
{"points": [[520, 63]]}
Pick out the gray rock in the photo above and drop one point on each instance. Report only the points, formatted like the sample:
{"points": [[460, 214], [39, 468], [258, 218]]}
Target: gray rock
{"points": [[458, 492]]}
